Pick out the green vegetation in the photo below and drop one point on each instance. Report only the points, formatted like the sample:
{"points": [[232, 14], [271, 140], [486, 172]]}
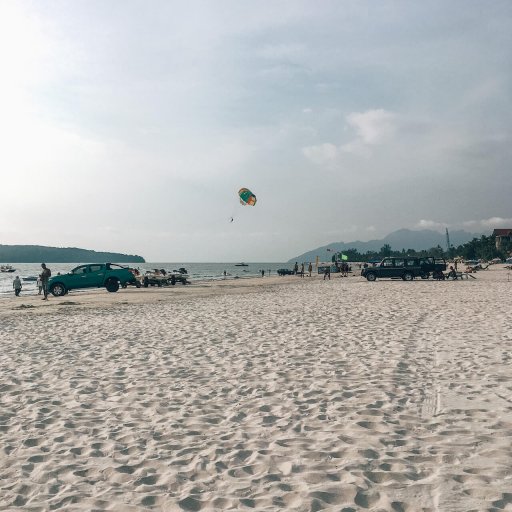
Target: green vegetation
{"points": [[40, 253], [478, 248]]}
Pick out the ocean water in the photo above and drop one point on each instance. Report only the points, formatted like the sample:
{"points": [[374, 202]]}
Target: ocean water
{"points": [[197, 272]]}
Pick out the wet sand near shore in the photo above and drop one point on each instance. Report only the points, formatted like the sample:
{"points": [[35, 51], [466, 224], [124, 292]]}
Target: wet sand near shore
{"points": [[261, 394], [95, 297]]}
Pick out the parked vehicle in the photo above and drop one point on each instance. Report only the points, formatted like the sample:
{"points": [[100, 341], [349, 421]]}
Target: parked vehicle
{"points": [[285, 272], [161, 277], [93, 275], [431, 266], [406, 268]]}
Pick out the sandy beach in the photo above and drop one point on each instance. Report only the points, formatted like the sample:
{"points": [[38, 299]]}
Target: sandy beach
{"points": [[260, 394]]}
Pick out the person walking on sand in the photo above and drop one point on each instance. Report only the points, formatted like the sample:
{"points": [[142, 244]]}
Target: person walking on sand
{"points": [[16, 284], [310, 268], [39, 285], [45, 277], [302, 270], [327, 273], [296, 268]]}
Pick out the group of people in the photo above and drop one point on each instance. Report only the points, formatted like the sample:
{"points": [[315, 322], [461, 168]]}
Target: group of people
{"points": [[300, 272], [42, 282], [343, 267]]}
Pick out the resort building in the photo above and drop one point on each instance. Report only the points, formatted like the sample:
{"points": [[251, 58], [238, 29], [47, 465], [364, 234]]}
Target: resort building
{"points": [[502, 235]]}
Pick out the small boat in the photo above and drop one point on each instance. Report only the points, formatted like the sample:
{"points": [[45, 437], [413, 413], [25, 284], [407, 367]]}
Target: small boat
{"points": [[7, 268], [241, 264], [29, 278]]}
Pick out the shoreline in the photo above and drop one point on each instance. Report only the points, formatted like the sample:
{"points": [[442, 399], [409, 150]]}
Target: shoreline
{"points": [[99, 297], [91, 297]]}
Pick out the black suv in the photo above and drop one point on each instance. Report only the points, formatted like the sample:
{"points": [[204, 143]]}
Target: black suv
{"points": [[406, 268]]}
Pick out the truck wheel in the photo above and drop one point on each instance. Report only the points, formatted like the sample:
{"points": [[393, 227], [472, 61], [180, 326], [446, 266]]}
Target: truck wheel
{"points": [[407, 276], [58, 290], [112, 285], [371, 276]]}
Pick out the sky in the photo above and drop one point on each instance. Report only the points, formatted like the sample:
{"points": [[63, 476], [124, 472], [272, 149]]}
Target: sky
{"points": [[130, 126]]}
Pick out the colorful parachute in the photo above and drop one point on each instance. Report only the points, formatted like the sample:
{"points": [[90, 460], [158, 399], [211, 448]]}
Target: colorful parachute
{"points": [[247, 197]]}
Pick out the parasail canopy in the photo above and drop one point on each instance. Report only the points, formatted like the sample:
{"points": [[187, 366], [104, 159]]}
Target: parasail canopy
{"points": [[246, 197]]}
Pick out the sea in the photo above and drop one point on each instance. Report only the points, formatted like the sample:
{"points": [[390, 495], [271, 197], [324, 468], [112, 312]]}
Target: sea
{"points": [[197, 272]]}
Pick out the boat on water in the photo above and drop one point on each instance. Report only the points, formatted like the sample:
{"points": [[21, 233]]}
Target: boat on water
{"points": [[241, 264], [7, 268]]}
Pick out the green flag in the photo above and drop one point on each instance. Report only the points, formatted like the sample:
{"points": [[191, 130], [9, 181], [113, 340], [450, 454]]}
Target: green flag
{"points": [[344, 257]]}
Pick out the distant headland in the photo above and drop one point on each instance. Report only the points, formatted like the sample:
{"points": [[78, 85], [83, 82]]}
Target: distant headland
{"points": [[41, 253]]}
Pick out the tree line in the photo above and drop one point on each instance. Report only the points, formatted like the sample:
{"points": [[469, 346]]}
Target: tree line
{"points": [[40, 253], [479, 248]]}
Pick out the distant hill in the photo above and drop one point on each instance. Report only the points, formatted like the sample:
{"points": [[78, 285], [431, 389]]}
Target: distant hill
{"points": [[41, 253], [398, 240]]}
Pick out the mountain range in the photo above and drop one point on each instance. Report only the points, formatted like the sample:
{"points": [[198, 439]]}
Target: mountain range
{"points": [[398, 240]]}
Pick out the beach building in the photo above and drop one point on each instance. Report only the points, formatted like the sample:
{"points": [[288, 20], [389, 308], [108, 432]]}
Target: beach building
{"points": [[502, 235]]}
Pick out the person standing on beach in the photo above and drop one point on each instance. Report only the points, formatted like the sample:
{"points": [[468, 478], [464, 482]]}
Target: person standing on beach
{"points": [[302, 270], [296, 268], [16, 284], [327, 273], [45, 277], [310, 268], [452, 274], [39, 285]]}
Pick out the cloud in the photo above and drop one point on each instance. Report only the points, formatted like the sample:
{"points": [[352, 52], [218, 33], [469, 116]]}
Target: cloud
{"points": [[282, 52], [373, 126], [481, 225], [322, 153], [370, 128], [430, 224], [491, 223]]}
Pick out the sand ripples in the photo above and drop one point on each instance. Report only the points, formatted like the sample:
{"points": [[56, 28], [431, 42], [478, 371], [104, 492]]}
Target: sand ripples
{"points": [[280, 399]]}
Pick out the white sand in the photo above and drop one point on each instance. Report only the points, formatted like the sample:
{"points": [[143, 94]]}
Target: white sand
{"points": [[339, 396]]}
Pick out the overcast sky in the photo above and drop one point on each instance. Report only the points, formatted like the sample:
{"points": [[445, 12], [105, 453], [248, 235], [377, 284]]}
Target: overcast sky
{"points": [[130, 125]]}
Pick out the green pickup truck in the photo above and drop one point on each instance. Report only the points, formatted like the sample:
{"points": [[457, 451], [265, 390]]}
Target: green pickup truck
{"points": [[93, 275]]}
